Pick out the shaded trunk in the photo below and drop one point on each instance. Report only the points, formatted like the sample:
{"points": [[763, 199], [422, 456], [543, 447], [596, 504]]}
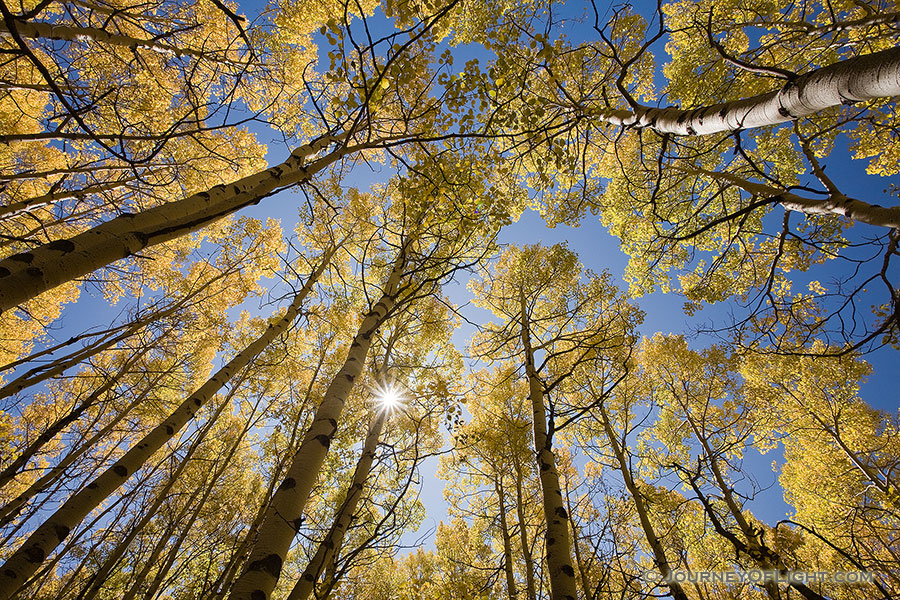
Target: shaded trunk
{"points": [[284, 515], [10, 510], [656, 547], [753, 546], [507, 542], [330, 546], [559, 553], [48, 434], [530, 588], [95, 583]]}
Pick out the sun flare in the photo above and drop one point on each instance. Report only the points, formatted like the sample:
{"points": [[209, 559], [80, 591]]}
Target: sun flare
{"points": [[389, 396]]}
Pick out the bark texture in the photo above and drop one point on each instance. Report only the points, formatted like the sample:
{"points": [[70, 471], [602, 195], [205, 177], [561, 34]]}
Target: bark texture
{"points": [[25, 275], [857, 79], [284, 514], [329, 547], [559, 552]]}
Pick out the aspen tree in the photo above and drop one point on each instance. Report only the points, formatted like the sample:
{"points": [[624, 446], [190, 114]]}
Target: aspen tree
{"points": [[284, 512], [330, 545], [28, 558], [660, 557], [546, 310]]}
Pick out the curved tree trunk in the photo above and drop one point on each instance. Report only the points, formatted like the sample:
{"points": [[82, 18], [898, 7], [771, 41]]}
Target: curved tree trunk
{"points": [[23, 276], [284, 514], [29, 557], [857, 79]]}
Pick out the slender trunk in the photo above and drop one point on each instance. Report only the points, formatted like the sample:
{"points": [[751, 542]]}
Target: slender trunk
{"points": [[284, 514], [38, 30], [164, 541], [507, 542], [95, 583], [857, 79], [10, 510], [559, 553], [835, 204], [23, 276], [14, 208], [582, 568], [208, 488], [753, 547], [48, 434], [331, 545], [530, 588], [57, 367], [659, 553], [28, 558]]}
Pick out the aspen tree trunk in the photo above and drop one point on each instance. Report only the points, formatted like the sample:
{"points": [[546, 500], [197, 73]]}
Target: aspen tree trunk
{"points": [[857, 79], [235, 562], [659, 553], [48, 434], [15, 208], [559, 553], [331, 545], [23, 276], [29, 557], [582, 568], [530, 588], [765, 558], [507, 543], [38, 30], [835, 204], [11, 509], [96, 581], [284, 514]]}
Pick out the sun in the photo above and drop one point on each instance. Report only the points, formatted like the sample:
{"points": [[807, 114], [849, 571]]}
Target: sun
{"points": [[389, 396]]}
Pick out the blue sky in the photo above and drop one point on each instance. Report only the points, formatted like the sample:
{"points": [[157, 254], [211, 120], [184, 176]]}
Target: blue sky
{"points": [[598, 250]]}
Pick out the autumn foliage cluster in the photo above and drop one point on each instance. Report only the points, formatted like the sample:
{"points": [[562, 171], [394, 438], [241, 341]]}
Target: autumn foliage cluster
{"points": [[190, 395]]}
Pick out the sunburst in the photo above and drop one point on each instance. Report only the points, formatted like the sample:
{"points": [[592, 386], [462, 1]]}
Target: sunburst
{"points": [[389, 396]]}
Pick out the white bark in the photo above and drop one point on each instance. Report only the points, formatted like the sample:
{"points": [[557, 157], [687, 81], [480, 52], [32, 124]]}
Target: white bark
{"points": [[559, 551], [857, 79], [330, 546], [25, 275], [29, 557], [656, 547], [68, 33], [835, 204], [284, 514]]}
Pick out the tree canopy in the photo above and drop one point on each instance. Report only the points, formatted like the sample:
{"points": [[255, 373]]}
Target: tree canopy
{"points": [[256, 283]]}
